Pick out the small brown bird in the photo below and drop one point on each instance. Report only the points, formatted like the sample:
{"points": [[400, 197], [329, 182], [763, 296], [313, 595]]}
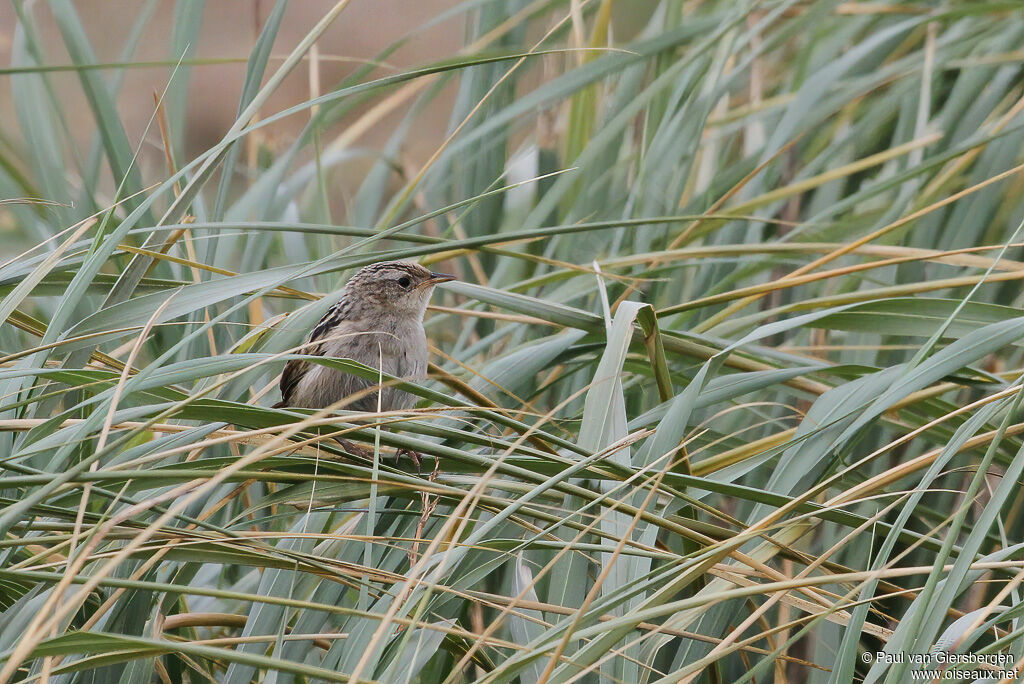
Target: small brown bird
{"points": [[378, 322]]}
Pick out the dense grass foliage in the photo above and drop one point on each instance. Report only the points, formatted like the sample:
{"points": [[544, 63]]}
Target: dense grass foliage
{"points": [[728, 389]]}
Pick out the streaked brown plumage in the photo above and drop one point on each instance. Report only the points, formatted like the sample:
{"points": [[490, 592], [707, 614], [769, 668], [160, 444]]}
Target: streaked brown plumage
{"points": [[378, 318]]}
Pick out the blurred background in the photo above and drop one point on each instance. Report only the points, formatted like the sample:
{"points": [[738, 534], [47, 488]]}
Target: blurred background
{"points": [[221, 35], [214, 40]]}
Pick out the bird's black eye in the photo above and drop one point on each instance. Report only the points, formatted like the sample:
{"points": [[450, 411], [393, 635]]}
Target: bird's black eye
{"points": [[404, 281]]}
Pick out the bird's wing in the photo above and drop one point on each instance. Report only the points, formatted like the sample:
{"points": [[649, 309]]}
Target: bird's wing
{"points": [[295, 369], [293, 372]]}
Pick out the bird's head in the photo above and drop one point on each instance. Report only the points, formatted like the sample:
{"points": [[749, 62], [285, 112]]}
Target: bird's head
{"points": [[393, 287]]}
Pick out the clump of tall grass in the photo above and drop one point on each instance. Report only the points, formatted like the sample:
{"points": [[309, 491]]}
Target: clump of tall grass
{"points": [[728, 389]]}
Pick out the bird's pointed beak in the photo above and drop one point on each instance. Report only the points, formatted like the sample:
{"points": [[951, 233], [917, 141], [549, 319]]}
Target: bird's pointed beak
{"points": [[436, 278]]}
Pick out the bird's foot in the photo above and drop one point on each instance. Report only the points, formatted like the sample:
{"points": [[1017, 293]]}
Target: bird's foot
{"points": [[414, 455], [367, 452], [355, 449]]}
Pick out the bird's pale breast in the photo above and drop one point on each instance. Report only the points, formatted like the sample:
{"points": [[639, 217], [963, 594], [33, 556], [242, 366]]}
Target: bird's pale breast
{"points": [[400, 345]]}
